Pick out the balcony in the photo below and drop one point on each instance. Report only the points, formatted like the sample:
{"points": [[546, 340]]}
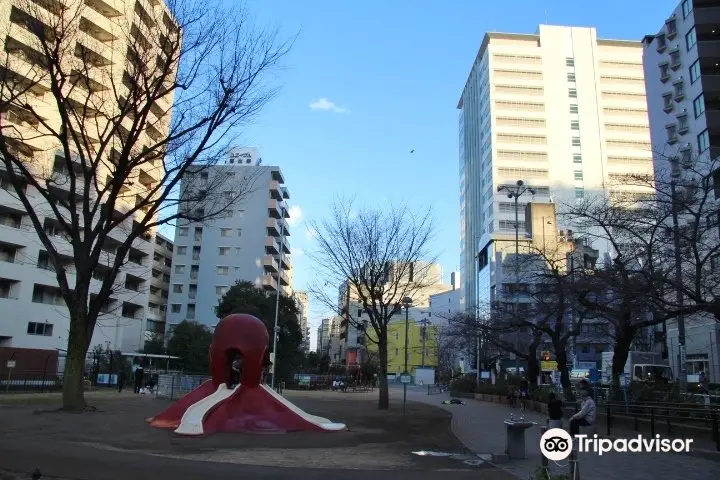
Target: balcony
{"points": [[275, 192], [273, 227], [271, 246], [284, 279], [270, 264], [276, 208], [269, 283]]}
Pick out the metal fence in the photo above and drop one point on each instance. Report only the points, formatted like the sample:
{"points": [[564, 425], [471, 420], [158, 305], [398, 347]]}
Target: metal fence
{"points": [[31, 382], [699, 421], [176, 385]]}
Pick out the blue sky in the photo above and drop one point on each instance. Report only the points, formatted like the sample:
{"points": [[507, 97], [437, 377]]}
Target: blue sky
{"points": [[388, 75]]}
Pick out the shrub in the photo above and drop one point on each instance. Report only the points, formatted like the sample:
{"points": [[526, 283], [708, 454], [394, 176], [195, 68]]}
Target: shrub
{"points": [[464, 385]]}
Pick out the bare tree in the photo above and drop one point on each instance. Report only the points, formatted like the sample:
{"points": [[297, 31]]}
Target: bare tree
{"points": [[621, 291], [382, 257], [101, 121]]}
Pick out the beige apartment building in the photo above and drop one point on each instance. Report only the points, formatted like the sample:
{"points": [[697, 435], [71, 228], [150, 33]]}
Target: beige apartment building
{"points": [[34, 314], [562, 110]]}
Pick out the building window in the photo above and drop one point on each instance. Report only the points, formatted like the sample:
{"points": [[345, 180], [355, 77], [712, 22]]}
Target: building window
{"points": [[691, 39], [664, 71], [695, 71], [178, 288], [573, 109], [190, 311], [661, 42], [579, 192], [37, 328], [220, 290], [699, 105], [572, 92], [578, 175], [667, 101], [575, 124], [679, 88], [683, 125], [222, 270], [686, 8], [671, 133], [196, 253], [239, 232], [226, 232], [179, 269], [198, 233], [671, 28], [675, 59], [223, 251], [571, 77], [182, 231], [703, 141], [175, 308], [576, 141], [570, 62], [181, 250]]}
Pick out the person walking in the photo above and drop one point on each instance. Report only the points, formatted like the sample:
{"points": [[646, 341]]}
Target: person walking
{"points": [[139, 374], [586, 416], [121, 380]]}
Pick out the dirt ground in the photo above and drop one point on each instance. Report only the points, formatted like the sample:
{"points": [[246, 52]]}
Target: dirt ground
{"points": [[375, 440]]}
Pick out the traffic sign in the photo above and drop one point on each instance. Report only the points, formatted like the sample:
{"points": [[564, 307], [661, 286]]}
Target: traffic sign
{"points": [[11, 364], [405, 377]]}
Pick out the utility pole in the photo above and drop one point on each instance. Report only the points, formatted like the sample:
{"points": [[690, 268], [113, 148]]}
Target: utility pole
{"points": [[276, 329], [678, 282], [515, 193]]}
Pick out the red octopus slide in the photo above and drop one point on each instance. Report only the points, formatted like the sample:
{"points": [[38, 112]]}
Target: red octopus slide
{"points": [[250, 406]]}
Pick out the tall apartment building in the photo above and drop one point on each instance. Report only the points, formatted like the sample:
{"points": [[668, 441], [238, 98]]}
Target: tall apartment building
{"points": [[159, 287], [682, 74], [301, 299], [562, 110], [34, 313], [250, 242]]}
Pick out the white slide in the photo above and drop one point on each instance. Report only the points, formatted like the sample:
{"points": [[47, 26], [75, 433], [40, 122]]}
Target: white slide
{"points": [[191, 423], [323, 423]]}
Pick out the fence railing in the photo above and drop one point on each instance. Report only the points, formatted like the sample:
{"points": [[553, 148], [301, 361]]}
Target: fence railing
{"points": [[31, 383], [669, 418]]}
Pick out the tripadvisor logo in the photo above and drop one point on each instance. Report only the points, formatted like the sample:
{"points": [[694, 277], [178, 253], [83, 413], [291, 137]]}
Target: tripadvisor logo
{"points": [[556, 444]]}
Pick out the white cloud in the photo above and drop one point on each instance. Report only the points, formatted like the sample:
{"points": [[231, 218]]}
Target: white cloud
{"points": [[327, 105], [298, 252], [295, 215], [310, 233]]}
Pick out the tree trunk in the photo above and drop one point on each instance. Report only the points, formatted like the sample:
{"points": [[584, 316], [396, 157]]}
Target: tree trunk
{"points": [[623, 340], [73, 396], [383, 398], [562, 366]]}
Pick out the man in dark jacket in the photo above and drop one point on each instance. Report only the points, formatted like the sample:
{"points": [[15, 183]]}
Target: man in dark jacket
{"points": [[139, 374]]}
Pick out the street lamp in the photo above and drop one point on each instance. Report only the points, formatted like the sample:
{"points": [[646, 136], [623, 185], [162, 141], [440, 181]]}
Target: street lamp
{"points": [[407, 302], [515, 192]]}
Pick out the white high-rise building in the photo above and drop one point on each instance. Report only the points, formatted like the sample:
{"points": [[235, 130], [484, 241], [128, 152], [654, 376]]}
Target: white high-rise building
{"points": [[249, 242], [682, 74], [561, 110]]}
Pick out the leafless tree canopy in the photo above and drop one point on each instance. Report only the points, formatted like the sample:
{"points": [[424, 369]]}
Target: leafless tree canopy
{"points": [[101, 121], [381, 256]]}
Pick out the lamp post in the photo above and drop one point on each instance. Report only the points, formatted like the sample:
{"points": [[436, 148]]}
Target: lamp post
{"points": [[515, 192], [276, 329], [407, 302]]}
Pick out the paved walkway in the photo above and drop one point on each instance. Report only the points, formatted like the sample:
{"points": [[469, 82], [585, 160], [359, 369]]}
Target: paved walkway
{"points": [[479, 425]]}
